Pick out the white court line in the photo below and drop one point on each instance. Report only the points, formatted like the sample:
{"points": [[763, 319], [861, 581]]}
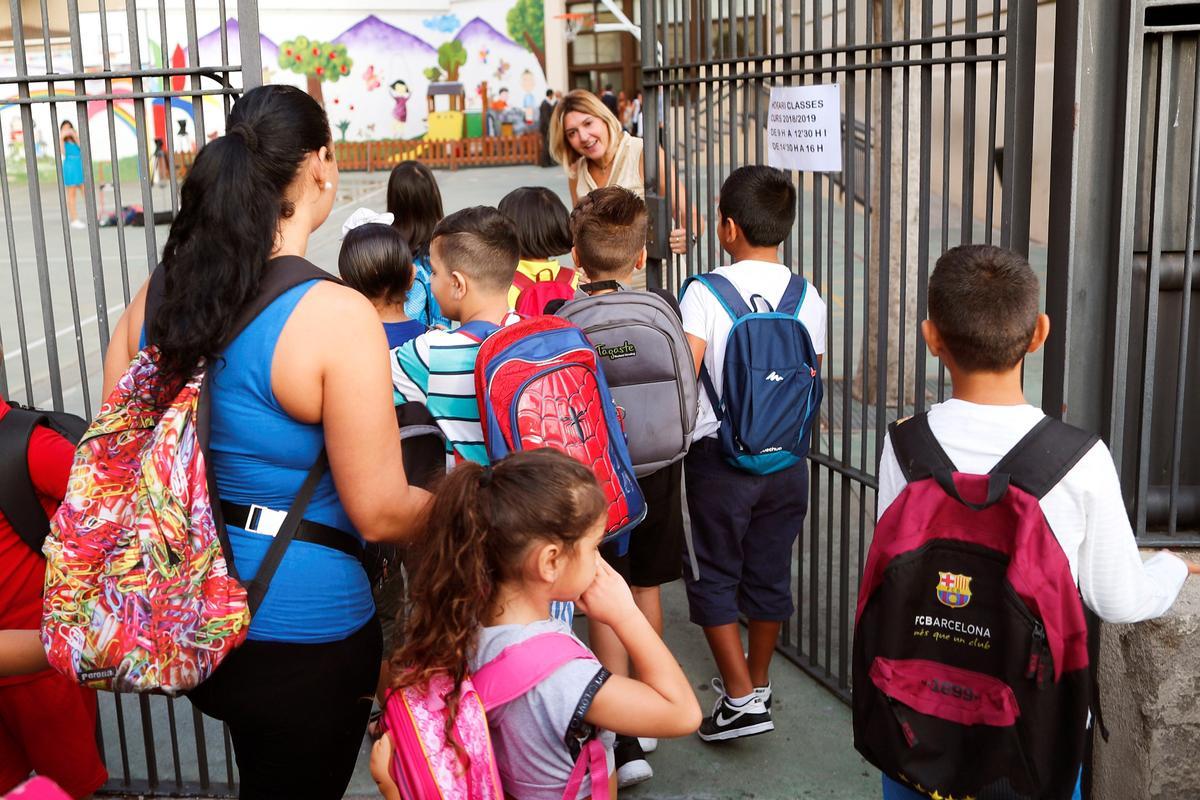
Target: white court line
{"points": [[64, 332]]}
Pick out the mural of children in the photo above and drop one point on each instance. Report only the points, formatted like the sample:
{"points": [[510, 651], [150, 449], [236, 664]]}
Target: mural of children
{"points": [[400, 94], [501, 100], [528, 100]]}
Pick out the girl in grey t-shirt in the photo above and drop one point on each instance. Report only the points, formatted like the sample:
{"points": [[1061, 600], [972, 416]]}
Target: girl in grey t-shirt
{"points": [[502, 543]]}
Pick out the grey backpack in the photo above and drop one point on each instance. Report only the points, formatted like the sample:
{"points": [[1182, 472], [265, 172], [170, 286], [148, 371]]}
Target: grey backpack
{"points": [[648, 365]]}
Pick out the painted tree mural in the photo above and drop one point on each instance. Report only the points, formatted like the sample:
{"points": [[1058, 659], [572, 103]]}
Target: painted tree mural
{"points": [[527, 24], [451, 56], [319, 62]]}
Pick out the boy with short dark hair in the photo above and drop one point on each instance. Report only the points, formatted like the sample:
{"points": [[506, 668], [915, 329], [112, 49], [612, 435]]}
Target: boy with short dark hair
{"points": [[983, 319], [473, 255], [609, 230], [743, 525]]}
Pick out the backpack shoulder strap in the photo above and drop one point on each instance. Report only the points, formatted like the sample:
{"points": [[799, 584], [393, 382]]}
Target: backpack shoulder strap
{"points": [[156, 291], [592, 761], [1045, 455], [793, 296], [669, 299], [282, 274], [565, 275], [18, 498], [917, 449], [522, 281], [478, 330], [725, 292], [524, 665]]}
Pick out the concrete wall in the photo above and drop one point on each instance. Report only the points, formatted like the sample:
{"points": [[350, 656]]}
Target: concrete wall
{"points": [[1150, 692]]}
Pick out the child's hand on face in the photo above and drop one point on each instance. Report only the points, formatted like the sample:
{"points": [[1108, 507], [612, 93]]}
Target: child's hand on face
{"points": [[608, 599]]}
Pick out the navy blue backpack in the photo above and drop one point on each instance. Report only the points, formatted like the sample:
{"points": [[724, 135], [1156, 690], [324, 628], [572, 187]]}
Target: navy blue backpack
{"points": [[771, 383]]}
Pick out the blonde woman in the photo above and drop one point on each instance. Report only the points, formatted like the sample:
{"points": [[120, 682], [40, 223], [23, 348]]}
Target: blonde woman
{"points": [[588, 141]]}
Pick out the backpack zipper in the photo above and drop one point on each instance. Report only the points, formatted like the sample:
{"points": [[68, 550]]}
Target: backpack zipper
{"points": [[1036, 668]]}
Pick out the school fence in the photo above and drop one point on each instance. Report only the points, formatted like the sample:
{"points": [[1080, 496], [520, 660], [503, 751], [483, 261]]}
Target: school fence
{"points": [[370, 156], [104, 66], [936, 122], [483, 151]]}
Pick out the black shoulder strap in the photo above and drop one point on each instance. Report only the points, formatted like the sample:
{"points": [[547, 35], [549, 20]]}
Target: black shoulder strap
{"points": [[917, 449], [281, 275], [669, 298], [156, 291], [256, 589], [1045, 455], [18, 497]]}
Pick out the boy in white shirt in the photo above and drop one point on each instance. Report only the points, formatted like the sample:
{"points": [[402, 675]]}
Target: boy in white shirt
{"points": [[983, 319], [743, 525]]}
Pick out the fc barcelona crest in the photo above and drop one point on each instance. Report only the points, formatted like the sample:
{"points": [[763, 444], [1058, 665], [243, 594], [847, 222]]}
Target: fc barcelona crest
{"points": [[953, 590]]}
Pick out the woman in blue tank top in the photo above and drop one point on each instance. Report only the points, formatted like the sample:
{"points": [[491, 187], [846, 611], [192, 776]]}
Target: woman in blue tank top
{"points": [[302, 377]]}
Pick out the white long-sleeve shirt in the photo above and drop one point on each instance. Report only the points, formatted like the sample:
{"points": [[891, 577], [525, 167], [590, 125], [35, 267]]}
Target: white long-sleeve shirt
{"points": [[1085, 509]]}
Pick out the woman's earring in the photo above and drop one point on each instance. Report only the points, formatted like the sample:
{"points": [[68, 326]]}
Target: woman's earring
{"points": [[328, 185]]}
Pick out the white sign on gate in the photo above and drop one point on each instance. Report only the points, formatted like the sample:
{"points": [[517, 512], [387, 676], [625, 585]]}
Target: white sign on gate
{"points": [[804, 128]]}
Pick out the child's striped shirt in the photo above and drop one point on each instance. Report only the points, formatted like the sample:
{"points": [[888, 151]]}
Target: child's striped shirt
{"points": [[438, 369]]}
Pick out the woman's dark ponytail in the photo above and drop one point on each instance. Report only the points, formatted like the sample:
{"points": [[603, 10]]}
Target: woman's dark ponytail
{"points": [[230, 208]]}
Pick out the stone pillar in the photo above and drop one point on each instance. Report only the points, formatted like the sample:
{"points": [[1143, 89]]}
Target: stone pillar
{"points": [[556, 46], [1150, 695]]}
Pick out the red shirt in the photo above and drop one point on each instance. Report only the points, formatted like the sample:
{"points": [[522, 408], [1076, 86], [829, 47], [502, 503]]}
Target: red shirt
{"points": [[23, 571]]}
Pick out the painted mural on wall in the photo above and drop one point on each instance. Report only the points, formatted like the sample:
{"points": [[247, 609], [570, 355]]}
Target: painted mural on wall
{"points": [[374, 77], [387, 68]]}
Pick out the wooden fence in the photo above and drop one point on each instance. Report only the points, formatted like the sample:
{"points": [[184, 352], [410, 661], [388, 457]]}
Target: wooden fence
{"points": [[487, 151]]}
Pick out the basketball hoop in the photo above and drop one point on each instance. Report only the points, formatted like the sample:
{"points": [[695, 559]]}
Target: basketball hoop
{"points": [[574, 23]]}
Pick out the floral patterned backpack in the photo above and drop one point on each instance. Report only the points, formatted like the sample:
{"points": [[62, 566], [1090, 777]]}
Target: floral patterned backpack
{"points": [[141, 592], [427, 766]]}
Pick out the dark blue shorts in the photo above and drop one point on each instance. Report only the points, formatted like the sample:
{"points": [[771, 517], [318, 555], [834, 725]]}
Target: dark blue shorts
{"points": [[743, 529]]}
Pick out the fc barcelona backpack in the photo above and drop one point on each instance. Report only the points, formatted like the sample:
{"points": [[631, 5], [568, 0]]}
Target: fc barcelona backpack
{"points": [[971, 657]]}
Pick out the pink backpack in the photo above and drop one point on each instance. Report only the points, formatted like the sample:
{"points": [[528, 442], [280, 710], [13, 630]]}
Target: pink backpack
{"points": [[425, 766], [539, 290]]}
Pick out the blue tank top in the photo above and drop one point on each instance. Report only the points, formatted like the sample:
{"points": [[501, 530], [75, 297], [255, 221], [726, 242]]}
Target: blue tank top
{"points": [[261, 455]]}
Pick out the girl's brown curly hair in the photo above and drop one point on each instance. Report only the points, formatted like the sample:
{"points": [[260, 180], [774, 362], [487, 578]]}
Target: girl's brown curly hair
{"points": [[480, 526]]}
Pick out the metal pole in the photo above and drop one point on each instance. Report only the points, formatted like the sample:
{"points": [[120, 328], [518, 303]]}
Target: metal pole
{"points": [[248, 38]]}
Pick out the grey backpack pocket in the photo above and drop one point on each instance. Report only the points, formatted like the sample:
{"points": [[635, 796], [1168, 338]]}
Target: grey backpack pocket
{"points": [[649, 369]]}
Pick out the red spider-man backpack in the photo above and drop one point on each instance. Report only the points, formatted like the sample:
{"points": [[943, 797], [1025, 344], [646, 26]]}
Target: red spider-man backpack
{"points": [[539, 384]]}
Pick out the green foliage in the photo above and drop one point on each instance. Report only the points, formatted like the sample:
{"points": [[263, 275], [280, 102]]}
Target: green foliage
{"points": [[433, 73], [321, 61], [451, 56], [527, 16]]}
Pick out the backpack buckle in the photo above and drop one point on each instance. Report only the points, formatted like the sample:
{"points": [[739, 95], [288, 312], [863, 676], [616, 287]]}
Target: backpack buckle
{"points": [[264, 520]]}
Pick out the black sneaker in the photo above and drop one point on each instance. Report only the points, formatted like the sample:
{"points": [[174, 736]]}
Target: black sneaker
{"points": [[733, 722], [632, 766]]}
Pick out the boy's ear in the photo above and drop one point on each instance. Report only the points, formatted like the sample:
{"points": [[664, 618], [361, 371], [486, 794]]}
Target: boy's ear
{"points": [[641, 261], [728, 231], [933, 339], [458, 284], [575, 257], [1040, 333]]}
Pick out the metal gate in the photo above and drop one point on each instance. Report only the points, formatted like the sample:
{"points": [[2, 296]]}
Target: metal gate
{"points": [[1125, 192], [937, 134], [123, 76]]}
